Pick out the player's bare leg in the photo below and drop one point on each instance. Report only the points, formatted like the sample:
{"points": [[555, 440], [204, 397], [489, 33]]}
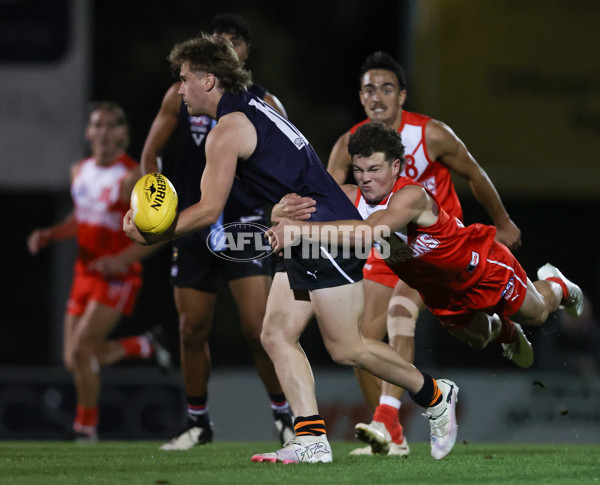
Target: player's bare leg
{"points": [[196, 310], [339, 328], [374, 326], [285, 320], [288, 314], [385, 434], [251, 294], [69, 325], [338, 311], [92, 328]]}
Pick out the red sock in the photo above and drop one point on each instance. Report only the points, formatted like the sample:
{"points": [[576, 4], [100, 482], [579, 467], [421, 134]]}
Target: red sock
{"points": [[508, 332], [86, 417], [136, 347], [565, 290], [388, 415]]}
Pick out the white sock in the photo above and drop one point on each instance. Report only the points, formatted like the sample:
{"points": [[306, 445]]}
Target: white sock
{"points": [[390, 401]]}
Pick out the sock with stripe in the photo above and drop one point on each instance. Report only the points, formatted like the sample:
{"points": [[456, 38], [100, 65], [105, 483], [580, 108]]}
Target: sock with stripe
{"points": [[139, 347], [429, 395], [387, 413], [563, 286], [279, 406], [197, 412], [309, 426]]}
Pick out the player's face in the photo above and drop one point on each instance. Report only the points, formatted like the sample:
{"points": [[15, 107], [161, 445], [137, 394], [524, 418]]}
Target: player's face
{"points": [[192, 89], [239, 45], [381, 96], [375, 176], [106, 135]]}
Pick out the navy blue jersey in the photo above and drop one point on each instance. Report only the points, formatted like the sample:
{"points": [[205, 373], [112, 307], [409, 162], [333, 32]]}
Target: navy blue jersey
{"points": [[241, 204], [284, 161]]}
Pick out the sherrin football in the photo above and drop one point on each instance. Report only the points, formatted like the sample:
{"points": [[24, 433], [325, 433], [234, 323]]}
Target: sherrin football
{"points": [[154, 203]]}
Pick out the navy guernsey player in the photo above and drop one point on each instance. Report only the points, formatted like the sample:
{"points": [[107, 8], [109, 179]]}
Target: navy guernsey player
{"points": [[268, 154], [202, 264]]}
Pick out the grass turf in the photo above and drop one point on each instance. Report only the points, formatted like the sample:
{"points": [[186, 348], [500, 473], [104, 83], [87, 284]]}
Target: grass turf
{"points": [[140, 462]]}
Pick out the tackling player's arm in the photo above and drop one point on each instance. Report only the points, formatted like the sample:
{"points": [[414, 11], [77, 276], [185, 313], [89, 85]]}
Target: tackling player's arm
{"points": [[339, 159], [162, 128], [409, 204], [293, 206], [443, 145]]}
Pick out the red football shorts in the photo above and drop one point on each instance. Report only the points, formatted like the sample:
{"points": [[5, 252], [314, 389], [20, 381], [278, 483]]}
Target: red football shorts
{"points": [[376, 270], [501, 289], [119, 294]]}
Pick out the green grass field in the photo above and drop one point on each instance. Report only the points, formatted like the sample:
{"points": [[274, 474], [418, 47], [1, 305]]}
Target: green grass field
{"points": [[131, 463]]}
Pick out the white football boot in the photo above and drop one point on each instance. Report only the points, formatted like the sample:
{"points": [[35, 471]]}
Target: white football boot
{"points": [[376, 434], [442, 420], [573, 305], [520, 351], [189, 438], [379, 439], [300, 449]]}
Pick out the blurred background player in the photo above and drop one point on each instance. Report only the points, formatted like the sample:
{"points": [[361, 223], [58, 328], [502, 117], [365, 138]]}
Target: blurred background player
{"points": [[196, 272], [432, 153], [107, 274]]}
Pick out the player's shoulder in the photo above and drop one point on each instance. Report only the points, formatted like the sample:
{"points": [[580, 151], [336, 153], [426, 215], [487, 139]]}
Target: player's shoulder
{"points": [[412, 118], [128, 161], [438, 132], [76, 166], [350, 190], [357, 126]]}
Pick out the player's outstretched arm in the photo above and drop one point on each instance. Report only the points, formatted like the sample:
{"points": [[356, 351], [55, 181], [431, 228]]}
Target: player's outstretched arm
{"points": [[120, 263], [162, 128], [445, 146], [339, 159], [42, 237]]}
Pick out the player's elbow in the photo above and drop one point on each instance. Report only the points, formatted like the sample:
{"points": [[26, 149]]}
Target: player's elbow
{"points": [[212, 216]]}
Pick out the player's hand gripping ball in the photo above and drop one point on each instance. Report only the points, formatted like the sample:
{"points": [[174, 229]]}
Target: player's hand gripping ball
{"points": [[154, 203]]}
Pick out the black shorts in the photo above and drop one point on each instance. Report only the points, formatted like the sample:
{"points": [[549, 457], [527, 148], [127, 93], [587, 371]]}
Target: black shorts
{"points": [[195, 266], [324, 271]]}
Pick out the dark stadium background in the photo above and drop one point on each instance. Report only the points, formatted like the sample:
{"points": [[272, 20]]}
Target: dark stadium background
{"points": [[308, 54]]}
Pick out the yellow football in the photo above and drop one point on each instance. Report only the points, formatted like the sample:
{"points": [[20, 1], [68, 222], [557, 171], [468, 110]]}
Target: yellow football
{"points": [[154, 203]]}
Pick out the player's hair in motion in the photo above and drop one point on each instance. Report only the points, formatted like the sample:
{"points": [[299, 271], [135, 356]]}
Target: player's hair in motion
{"points": [[376, 137], [382, 60], [117, 112], [215, 56], [232, 24]]}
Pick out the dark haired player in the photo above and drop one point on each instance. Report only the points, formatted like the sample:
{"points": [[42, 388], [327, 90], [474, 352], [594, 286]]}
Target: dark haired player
{"points": [[432, 153]]}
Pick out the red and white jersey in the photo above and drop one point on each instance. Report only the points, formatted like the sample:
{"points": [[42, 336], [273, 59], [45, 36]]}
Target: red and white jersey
{"points": [[438, 260], [99, 212], [431, 174]]}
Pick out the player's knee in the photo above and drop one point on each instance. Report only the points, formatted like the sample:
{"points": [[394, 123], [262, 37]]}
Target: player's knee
{"points": [[82, 352], [402, 316], [193, 332], [343, 354]]}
